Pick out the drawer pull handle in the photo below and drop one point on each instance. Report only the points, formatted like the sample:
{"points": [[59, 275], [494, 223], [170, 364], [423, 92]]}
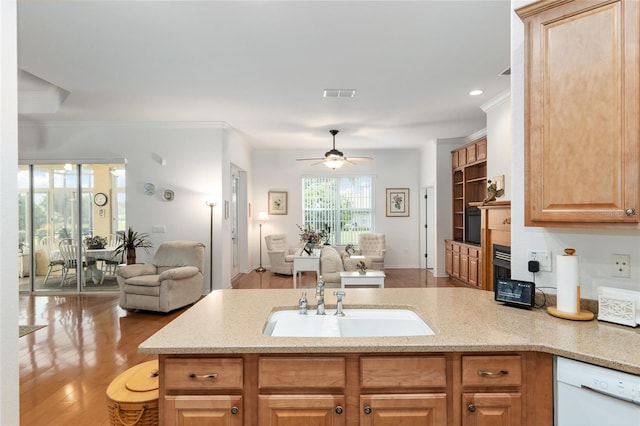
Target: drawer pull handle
{"points": [[234, 410], [492, 374], [471, 408], [203, 376], [339, 409], [367, 409]]}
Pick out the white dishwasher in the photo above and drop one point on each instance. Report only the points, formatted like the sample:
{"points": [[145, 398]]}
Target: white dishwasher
{"points": [[587, 395]]}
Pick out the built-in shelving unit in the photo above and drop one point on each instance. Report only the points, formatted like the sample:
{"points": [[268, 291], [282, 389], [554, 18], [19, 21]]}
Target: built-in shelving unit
{"points": [[463, 260], [469, 164]]}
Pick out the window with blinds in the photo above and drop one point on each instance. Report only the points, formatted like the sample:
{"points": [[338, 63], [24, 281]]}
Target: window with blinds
{"points": [[340, 206]]}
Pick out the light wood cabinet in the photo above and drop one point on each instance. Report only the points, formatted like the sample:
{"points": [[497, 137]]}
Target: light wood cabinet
{"points": [[301, 390], [407, 390], [463, 263], [196, 410], [407, 410], [492, 409], [357, 389], [286, 410], [582, 106], [491, 385], [182, 382]]}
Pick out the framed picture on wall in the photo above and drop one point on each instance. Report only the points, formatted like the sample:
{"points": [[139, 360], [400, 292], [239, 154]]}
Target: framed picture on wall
{"points": [[277, 202], [397, 202]]}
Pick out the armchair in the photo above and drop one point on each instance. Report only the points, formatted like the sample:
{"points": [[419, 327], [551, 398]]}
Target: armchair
{"points": [[280, 254], [372, 247], [174, 279]]}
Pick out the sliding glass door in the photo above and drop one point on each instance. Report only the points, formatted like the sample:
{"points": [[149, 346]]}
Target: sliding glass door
{"points": [[59, 214]]}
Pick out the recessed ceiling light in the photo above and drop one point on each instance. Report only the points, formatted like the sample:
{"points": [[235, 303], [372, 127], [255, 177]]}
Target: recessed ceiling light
{"points": [[339, 93], [476, 92]]}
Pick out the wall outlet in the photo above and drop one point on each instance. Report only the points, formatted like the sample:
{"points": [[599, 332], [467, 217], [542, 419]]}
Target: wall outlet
{"points": [[543, 257], [620, 264]]}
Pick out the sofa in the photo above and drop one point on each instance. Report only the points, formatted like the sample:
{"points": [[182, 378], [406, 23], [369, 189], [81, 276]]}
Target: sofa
{"points": [[330, 266]]}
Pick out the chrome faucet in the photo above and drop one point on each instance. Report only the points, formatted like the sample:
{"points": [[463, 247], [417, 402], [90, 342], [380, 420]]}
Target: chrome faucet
{"points": [[320, 296], [340, 295]]}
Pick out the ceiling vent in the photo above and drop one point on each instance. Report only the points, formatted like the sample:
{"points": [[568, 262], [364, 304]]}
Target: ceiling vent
{"points": [[339, 93]]}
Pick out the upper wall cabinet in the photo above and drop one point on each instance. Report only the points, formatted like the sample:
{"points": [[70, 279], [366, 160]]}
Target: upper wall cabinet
{"points": [[582, 113]]}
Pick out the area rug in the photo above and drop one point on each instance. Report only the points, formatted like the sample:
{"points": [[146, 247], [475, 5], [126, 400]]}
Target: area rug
{"points": [[26, 329]]}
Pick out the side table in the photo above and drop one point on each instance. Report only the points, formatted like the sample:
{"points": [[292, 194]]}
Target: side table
{"points": [[355, 278], [305, 263]]}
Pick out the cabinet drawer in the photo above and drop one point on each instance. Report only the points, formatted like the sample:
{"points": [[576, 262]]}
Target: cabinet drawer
{"points": [[492, 370], [456, 248], [474, 252], [301, 373], [203, 373], [402, 372]]}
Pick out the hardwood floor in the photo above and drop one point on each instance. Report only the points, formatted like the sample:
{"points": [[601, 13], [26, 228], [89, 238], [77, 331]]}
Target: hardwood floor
{"points": [[88, 340]]}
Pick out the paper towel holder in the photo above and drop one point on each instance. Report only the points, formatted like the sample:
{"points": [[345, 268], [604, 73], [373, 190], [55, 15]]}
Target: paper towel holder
{"points": [[581, 314]]}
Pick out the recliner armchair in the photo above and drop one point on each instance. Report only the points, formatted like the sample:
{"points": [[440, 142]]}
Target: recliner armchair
{"points": [[280, 254], [173, 280]]}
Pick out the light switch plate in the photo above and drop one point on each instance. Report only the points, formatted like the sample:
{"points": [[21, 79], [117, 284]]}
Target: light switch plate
{"points": [[158, 229]]}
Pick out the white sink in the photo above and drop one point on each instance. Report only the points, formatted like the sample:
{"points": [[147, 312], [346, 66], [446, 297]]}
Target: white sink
{"points": [[355, 323]]}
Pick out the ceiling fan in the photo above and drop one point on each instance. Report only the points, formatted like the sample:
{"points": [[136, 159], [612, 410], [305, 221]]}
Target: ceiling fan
{"points": [[335, 159]]}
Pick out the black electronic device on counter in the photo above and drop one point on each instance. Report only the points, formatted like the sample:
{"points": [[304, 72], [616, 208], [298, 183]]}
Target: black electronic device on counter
{"points": [[520, 294]]}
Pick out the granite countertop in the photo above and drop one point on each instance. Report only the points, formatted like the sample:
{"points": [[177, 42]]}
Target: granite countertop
{"points": [[232, 322]]}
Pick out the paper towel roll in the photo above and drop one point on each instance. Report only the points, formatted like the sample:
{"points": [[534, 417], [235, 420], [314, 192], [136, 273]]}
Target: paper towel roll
{"points": [[567, 283]]}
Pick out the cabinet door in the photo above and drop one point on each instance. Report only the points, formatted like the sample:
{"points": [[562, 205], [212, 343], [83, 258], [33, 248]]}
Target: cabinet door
{"points": [[291, 410], [195, 410], [471, 154], [405, 410], [491, 409], [474, 270], [448, 260], [582, 96], [455, 268], [464, 267], [481, 149]]}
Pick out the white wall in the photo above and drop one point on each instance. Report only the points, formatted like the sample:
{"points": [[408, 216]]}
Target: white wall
{"points": [[9, 381], [197, 157], [498, 112], [436, 173], [279, 171], [593, 246]]}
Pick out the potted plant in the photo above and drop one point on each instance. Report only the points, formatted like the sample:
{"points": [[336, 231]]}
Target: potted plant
{"points": [[361, 267], [96, 242], [132, 240]]}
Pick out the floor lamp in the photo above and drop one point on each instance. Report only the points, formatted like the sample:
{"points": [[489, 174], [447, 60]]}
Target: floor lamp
{"points": [[262, 218], [211, 205]]}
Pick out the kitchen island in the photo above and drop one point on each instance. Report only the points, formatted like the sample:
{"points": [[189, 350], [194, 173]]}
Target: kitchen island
{"points": [[264, 374]]}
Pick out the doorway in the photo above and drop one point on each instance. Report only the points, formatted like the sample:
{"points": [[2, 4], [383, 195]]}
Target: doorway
{"points": [[69, 212], [238, 217], [429, 226]]}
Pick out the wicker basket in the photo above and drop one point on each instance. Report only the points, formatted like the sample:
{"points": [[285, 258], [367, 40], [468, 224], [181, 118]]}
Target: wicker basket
{"points": [[132, 397]]}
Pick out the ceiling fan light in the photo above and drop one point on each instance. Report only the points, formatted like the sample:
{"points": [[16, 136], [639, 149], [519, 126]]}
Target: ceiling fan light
{"points": [[334, 163]]}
